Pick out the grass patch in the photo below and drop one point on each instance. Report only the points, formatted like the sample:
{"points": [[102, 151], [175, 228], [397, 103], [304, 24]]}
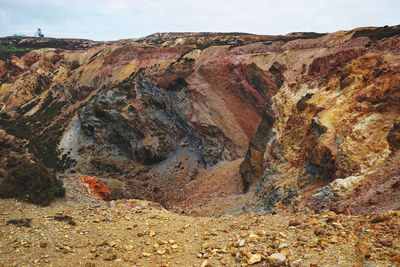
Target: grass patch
{"points": [[8, 49], [43, 145]]}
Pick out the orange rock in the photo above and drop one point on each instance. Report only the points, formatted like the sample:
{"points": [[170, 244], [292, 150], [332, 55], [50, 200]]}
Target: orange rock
{"points": [[396, 259], [95, 186]]}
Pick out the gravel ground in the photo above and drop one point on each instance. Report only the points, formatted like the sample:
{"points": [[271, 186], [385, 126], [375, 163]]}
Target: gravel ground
{"points": [[83, 231]]}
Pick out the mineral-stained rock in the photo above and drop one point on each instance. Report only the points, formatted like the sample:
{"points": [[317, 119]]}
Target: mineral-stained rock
{"points": [[328, 136], [313, 117], [95, 186]]}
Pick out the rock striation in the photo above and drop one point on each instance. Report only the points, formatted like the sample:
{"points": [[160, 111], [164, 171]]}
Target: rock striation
{"points": [[298, 121]]}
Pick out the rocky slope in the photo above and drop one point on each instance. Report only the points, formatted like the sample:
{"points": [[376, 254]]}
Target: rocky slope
{"points": [[193, 121]]}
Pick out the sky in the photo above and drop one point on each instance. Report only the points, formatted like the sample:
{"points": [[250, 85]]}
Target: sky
{"points": [[119, 19]]}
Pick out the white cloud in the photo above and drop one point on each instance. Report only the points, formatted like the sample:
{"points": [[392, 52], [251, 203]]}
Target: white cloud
{"points": [[114, 19]]}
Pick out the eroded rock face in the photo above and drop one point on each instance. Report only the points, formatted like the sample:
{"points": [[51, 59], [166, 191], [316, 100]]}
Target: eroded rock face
{"points": [[335, 125], [304, 119], [149, 116]]}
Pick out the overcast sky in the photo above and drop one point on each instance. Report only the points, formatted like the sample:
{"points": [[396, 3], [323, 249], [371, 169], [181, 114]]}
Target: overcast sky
{"points": [[118, 19]]}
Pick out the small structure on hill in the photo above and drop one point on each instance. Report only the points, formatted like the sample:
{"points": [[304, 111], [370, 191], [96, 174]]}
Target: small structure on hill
{"points": [[39, 33]]}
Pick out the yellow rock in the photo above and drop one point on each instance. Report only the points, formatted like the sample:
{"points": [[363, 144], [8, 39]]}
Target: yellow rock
{"points": [[253, 237], [128, 247], [161, 251], [206, 263], [254, 259]]}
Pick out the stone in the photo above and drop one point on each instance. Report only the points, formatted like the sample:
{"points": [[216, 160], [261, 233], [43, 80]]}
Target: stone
{"points": [[102, 243], [331, 217], [282, 246], [111, 257], [128, 247], [244, 234], [254, 259], [283, 235], [396, 259], [253, 237], [277, 259], [96, 187], [362, 249], [386, 242], [161, 251], [206, 263], [296, 263], [293, 222], [334, 239], [319, 231], [43, 244]]}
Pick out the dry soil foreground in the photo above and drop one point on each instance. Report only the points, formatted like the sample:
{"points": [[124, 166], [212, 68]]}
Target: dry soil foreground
{"points": [[90, 232]]}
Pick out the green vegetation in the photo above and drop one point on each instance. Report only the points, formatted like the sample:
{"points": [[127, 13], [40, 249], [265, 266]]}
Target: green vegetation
{"points": [[33, 183], [8, 49], [30, 128]]}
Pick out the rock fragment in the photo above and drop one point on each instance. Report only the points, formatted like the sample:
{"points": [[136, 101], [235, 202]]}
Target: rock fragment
{"points": [[254, 259], [277, 259]]}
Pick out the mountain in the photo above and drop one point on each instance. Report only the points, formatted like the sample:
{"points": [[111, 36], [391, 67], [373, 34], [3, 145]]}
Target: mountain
{"points": [[212, 123]]}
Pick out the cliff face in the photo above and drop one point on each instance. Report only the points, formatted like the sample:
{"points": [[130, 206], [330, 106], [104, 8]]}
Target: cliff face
{"points": [[332, 129], [306, 118]]}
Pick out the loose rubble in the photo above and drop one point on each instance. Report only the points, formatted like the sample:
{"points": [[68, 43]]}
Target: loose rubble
{"points": [[110, 234]]}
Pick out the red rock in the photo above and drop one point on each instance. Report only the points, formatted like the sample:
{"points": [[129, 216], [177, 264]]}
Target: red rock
{"points": [[362, 249], [386, 242], [95, 186], [396, 259]]}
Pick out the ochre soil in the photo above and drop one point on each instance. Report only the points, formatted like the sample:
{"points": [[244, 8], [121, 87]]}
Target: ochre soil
{"points": [[139, 233]]}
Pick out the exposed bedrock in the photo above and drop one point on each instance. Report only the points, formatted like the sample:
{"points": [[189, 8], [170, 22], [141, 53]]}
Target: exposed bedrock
{"points": [[325, 140], [209, 121]]}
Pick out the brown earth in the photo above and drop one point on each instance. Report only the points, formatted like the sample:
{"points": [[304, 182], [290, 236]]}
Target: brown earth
{"points": [[81, 230]]}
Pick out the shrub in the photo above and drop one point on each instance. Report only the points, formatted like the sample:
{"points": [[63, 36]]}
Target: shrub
{"points": [[33, 183]]}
